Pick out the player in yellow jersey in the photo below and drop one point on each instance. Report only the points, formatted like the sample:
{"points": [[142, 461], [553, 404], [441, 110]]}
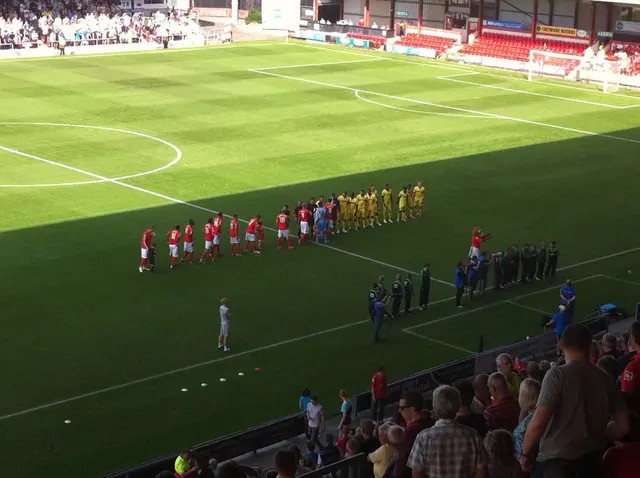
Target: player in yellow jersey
{"points": [[361, 215], [373, 206], [409, 190], [402, 205], [387, 204], [343, 214], [353, 211], [418, 199]]}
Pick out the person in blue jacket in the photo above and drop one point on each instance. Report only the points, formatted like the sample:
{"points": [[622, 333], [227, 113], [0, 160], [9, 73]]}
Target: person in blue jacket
{"points": [[460, 281], [568, 298], [560, 321]]}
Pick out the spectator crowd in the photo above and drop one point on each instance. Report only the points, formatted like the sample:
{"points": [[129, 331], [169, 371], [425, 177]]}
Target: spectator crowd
{"points": [[49, 22], [576, 417]]}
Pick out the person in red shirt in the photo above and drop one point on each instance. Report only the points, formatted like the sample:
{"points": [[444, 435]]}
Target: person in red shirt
{"points": [[282, 223], [250, 235], [477, 238], [147, 237], [217, 230], [630, 380], [188, 241], [173, 236], [208, 240], [303, 219], [378, 393], [236, 249], [330, 206], [260, 234]]}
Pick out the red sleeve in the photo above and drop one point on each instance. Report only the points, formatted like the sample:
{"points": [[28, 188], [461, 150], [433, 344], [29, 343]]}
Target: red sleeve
{"points": [[630, 380]]}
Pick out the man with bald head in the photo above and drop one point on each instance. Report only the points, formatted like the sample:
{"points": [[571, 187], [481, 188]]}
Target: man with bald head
{"points": [[482, 397], [505, 411]]}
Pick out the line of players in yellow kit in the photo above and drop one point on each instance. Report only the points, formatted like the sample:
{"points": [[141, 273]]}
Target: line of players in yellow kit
{"points": [[363, 209]]}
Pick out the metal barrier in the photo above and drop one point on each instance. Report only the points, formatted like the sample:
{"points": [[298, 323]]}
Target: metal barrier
{"points": [[348, 468], [227, 447]]}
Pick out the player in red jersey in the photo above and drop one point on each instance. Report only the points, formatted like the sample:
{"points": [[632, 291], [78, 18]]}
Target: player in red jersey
{"points": [[147, 237], [208, 240], [250, 235], [282, 222], [188, 241], [173, 236], [303, 219], [330, 206], [236, 249], [260, 234], [217, 230]]}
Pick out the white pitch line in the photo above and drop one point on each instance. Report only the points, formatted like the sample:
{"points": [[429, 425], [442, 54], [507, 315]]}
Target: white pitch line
{"points": [[598, 259], [417, 111], [446, 344], [177, 150], [494, 304], [447, 107], [180, 201], [624, 281], [426, 62], [445, 77], [533, 309], [71, 56], [532, 93], [286, 67], [178, 370]]}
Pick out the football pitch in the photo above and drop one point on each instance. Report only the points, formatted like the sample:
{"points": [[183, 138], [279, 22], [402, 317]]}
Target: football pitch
{"points": [[94, 149]]}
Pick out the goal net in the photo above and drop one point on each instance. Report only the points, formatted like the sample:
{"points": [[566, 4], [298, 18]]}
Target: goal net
{"points": [[558, 65], [586, 69]]}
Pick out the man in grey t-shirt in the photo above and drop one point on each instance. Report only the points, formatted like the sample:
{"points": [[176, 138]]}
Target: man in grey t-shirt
{"points": [[571, 422]]}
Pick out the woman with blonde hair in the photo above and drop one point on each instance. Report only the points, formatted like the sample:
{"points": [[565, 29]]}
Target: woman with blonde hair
{"points": [[527, 399]]}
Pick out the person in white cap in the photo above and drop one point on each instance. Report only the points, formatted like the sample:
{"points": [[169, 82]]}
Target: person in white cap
{"points": [[225, 325]]}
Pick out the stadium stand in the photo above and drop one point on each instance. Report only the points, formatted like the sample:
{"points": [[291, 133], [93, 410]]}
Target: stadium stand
{"points": [[375, 40], [403, 438], [438, 43], [517, 48], [42, 25]]}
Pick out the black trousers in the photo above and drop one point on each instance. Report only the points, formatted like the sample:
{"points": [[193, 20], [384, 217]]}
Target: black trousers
{"points": [[407, 303], [459, 294], [471, 288], [532, 269], [524, 274], [424, 296], [540, 273], [377, 409], [395, 305], [498, 277], [551, 267]]}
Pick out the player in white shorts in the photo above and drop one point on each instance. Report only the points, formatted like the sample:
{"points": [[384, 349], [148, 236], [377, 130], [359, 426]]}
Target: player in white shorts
{"points": [[225, 325], [304, 229]]}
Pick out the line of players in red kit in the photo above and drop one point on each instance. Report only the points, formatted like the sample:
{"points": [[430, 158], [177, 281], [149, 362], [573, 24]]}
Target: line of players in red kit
{"points": [[254, 237]]}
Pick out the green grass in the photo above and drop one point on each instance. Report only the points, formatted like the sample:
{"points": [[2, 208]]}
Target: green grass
{"points": [[77, 317]]}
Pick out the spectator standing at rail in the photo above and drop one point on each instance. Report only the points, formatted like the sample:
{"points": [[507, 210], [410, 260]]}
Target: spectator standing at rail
{"points": [[425, 286], [571, 421], [504, 412], [346, 409], [504, 363], [465, 416], [630, 381], [448, 449], [378, 394], [410, 407], [316, 421], [303, 403]]}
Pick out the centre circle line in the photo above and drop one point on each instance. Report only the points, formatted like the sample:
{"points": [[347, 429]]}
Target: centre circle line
{"points": [[177, 150]]}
